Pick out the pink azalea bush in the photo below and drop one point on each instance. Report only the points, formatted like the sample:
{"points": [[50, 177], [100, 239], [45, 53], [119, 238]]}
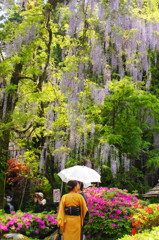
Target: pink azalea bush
{"points": [[32, 225], [110, 211]]}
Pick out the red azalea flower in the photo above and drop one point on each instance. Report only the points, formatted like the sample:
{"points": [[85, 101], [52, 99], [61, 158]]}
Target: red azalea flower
{"points": [[137, 223], [138, 205], [133, 232], [148, 209]]}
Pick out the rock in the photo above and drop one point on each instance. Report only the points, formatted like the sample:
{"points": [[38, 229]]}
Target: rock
{"points": [[14, 236], [52, 236]]}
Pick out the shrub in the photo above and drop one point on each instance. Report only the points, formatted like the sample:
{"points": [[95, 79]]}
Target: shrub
{"points": [[146, 235], [31, 225], [145, 218], [110, 211]]}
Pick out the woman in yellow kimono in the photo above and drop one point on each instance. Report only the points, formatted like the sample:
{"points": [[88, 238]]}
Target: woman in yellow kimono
{"points": [[71, 213]]}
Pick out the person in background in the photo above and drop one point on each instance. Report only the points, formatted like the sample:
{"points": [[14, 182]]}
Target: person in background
{"points": [[9, 207], [72, 211], [86, 219], [40, 202], [81, 191]]}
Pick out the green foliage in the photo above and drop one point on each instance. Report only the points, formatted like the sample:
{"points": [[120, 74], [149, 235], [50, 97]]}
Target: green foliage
{"points": [[154, 70], [11, 88], [31, 161], [71, 162], [133, 180], [126, 117], [106, 175], [149, 11], [153, 159]]}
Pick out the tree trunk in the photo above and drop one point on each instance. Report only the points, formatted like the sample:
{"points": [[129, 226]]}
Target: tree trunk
{"points": [[2, 192], [6, 110]]}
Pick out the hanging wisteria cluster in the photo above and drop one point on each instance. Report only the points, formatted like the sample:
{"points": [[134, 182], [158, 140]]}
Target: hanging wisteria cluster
{"points": [[119, 41], [124, 39]]}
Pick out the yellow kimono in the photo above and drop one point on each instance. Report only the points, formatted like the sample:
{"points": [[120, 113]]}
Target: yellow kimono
{"points": [[71, 225]]}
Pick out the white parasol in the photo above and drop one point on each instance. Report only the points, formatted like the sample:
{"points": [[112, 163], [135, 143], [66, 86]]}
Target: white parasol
{"points": [[79, 173]]}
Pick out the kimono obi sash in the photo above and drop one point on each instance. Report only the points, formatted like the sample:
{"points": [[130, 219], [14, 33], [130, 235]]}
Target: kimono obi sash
{"points": [[73, 211]]}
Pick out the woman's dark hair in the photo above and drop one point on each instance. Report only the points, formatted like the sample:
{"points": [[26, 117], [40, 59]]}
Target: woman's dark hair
{"points": [[71, 184], [81, 185]]}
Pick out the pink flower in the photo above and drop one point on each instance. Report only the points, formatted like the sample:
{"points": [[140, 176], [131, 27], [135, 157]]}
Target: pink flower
{"points": [[5, 228], [20, 225], [40, 221], [13, 213], [118, 211], [42, 226], [114, 225]]}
